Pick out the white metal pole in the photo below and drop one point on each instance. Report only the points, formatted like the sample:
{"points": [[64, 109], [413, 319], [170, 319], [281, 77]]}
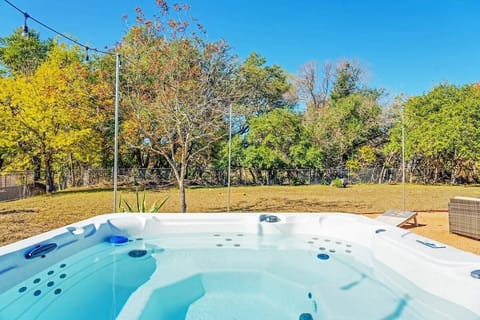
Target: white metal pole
{"points": [[229, 158], [403, 159], [115, 157]]}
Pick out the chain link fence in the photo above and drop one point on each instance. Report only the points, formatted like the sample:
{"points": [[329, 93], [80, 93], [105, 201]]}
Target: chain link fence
{"points": [[16, 185], [164, 177]]}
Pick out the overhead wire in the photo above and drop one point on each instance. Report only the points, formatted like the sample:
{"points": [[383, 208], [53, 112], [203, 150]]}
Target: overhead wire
{"points": [[86, 47], [61, 34], [28, 16]]}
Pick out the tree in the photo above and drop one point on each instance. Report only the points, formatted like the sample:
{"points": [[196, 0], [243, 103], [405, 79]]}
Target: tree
{"points": [[343, 114], [313, 87], [347, 80], [22, 55], [270, 139], [348, 124], [278, 140], [262, 87], [178, 89], [442, 133], [49, 115], [237, 153]]}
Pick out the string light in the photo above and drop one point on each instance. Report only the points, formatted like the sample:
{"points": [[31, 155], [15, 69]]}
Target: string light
{"points": [[25, 26], [25, 31]]}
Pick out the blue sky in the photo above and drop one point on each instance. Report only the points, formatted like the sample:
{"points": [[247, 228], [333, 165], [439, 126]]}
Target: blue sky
{"points": [[406, 46]]}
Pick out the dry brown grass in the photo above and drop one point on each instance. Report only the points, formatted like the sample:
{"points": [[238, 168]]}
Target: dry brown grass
{"points": [[24, 218]]}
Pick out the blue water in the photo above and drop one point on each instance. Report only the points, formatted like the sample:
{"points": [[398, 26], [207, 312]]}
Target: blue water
{"points": [[220, 276], [99, 279]]}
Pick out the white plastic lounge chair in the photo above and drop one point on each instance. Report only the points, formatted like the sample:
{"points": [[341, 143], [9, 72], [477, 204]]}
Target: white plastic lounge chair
{"points": [[398, 217]]}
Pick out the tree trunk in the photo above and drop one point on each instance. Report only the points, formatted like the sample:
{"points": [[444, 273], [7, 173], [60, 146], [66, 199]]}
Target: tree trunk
{"points": [[142, 159], [71, 169], [183, 201], [453, 178], [181, 186], [49, 176], [254, 177], [37, 165], [455, 167]]}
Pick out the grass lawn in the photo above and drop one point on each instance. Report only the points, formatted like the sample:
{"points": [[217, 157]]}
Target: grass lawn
{"points": [[24, 218]]}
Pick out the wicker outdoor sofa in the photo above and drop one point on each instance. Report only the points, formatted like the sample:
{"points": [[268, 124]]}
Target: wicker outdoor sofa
{"points": [[464, 216]]}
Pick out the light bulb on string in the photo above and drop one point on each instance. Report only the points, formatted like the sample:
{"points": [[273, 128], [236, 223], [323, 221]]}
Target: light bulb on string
{"points": [[26, 31], [87, 58], [25, 26]]}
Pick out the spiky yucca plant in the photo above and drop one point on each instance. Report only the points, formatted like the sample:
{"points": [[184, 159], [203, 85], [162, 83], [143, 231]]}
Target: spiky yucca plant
{"points": [[140, 205]]}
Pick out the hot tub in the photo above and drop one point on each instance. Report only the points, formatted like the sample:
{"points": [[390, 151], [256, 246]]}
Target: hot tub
{"points": [[236, 266]]}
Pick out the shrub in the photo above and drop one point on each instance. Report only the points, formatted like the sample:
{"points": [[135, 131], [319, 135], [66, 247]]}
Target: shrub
{"points": [[140, 206], [338, 183]]}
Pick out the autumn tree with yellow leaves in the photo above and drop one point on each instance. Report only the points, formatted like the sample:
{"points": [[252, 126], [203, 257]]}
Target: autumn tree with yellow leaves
{"points": [[49, 118]]}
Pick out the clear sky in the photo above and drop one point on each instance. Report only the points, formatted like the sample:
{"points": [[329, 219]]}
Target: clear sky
{"points": [[407, 46]]}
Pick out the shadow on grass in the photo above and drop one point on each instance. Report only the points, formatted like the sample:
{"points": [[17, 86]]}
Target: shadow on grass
{"points": [[95, 190], [89, 190], [194, 187], [5, 212]]}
